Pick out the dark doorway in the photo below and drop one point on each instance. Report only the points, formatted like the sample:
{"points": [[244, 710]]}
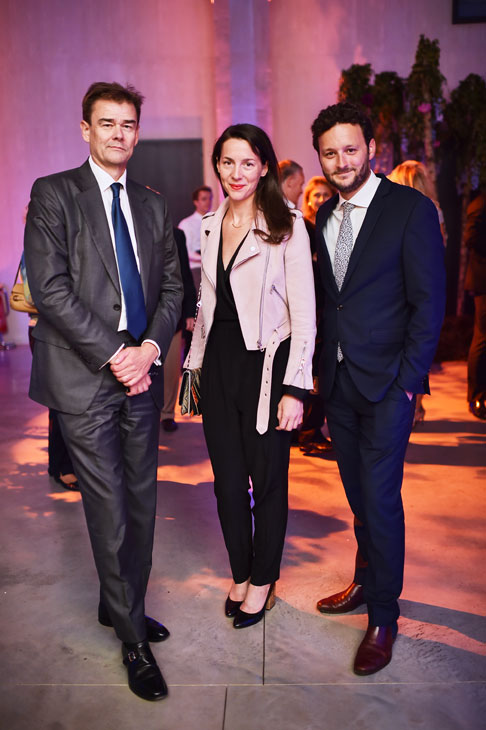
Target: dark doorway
{"points": [[173, 167]]}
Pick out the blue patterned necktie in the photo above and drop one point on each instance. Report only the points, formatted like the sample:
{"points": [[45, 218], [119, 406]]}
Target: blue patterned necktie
{"points": [[127, 267], [344, 246]]}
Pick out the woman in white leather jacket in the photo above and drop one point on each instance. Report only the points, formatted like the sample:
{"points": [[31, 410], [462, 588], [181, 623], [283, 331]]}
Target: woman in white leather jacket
{"points": [[254, 338]]}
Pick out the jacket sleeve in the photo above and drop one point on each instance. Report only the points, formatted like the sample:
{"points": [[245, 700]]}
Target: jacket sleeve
{"points": [[424, 271], [299, 280], [190, 294], [47, 263]]}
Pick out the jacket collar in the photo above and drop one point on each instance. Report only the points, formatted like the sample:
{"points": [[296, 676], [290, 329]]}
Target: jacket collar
{"points": [[211, 228], [372, 215], [91, 205]]}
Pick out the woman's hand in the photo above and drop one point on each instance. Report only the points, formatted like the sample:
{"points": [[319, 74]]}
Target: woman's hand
{"points": [[289, 413]]}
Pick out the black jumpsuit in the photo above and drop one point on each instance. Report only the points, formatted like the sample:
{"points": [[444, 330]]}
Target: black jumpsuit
{"points": [[230, 384]]}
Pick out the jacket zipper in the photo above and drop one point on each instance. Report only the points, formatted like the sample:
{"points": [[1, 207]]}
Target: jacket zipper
{"points": [[274, 288], [262, 298], [302, 364]]}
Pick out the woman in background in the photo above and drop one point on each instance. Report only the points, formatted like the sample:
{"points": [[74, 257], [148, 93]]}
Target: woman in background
{"points": [[254, 338], [316, 192], [310, 438], [414, 174]]}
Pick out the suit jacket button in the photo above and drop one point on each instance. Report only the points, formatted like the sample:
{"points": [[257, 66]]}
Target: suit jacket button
{"points": [[339, 307], [116, 307]]}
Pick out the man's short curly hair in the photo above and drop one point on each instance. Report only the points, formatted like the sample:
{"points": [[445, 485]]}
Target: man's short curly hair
{"points": [[342, 113]]}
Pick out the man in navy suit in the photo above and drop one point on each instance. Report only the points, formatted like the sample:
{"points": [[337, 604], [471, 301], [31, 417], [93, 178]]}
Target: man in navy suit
{"points": [[381, 263]]}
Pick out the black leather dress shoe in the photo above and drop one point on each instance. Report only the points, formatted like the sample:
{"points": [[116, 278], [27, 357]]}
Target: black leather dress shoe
{"points": [[317, 448], [169, 425], [231, 607], [155, 631], [144, 677], [344, 601], [72, 485], [375, 651]]}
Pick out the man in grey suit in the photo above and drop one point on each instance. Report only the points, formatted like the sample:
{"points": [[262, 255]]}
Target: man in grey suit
{"points": [[104, 273]]}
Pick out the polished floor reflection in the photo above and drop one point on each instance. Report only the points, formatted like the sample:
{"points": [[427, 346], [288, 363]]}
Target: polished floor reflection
{"points": [[63, 671]]}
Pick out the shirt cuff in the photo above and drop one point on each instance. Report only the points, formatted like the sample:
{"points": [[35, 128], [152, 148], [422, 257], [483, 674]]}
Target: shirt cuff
{"points": [[158, 359], [113, 356], [295, 392]]}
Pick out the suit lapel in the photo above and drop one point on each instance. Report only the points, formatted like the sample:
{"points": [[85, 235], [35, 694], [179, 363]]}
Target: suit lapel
{"points": [[91, 205], [323, 257], [372, 215], [142, 218], [209, 252]]}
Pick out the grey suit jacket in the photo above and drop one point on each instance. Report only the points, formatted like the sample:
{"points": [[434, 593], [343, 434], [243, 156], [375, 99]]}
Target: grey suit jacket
{"points": [[74, 281]]}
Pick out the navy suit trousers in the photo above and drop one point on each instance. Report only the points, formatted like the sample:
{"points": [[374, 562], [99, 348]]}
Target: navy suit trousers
{"points": [[370, 440]]}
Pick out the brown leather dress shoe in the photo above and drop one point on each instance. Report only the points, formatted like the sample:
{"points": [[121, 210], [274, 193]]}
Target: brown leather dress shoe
{"points": [[375, 651], [344, 601]]}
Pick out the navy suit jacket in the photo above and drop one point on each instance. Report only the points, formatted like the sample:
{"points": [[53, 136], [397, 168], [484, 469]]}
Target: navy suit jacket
{"points": [[74, 281], [388, 315]]}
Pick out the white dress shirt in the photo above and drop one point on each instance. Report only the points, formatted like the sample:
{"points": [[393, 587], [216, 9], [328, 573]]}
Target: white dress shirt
{"points": [[192, 229], [362, 200], [105, 181]]}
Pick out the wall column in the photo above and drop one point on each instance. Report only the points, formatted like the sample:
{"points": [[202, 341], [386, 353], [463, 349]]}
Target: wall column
{"points": [[242, 63]]}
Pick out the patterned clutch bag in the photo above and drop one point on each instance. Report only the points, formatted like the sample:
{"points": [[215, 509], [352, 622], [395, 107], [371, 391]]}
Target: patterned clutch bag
{"points": [[190, 393]]}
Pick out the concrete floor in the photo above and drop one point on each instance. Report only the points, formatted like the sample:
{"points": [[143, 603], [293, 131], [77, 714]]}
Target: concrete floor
{"points": [[62, 670]]}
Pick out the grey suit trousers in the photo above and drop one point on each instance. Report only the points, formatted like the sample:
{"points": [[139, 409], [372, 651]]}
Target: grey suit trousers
{"points": [[114, 449]]}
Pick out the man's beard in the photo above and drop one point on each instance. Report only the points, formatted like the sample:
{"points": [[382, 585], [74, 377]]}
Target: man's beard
{"points": [[360, 177]]}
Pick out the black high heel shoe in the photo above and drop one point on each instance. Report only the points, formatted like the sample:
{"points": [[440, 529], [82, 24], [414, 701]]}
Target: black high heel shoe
{"points": [[231, 607], [243, 619]]}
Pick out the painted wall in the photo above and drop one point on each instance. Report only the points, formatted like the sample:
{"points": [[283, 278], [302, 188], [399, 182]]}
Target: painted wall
{"points": [[313, 40], [183, 55], [51, 51]]}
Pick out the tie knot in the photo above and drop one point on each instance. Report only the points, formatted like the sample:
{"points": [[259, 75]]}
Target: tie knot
{"points": [[347, 207], [116, 187]]}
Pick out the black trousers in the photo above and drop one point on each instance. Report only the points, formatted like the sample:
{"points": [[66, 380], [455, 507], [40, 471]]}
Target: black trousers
{"points": [[230, 384], [114, 449], [59, 461], [370, 440], [476, 362]]}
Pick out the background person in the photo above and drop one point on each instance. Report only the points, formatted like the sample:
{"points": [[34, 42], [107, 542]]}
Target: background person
{"points": [[291, 181], [59, 467], [254, 338], [310, 437], [475, 282], [202, 198], [415, 175], [172, 362], [316, 192]]}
